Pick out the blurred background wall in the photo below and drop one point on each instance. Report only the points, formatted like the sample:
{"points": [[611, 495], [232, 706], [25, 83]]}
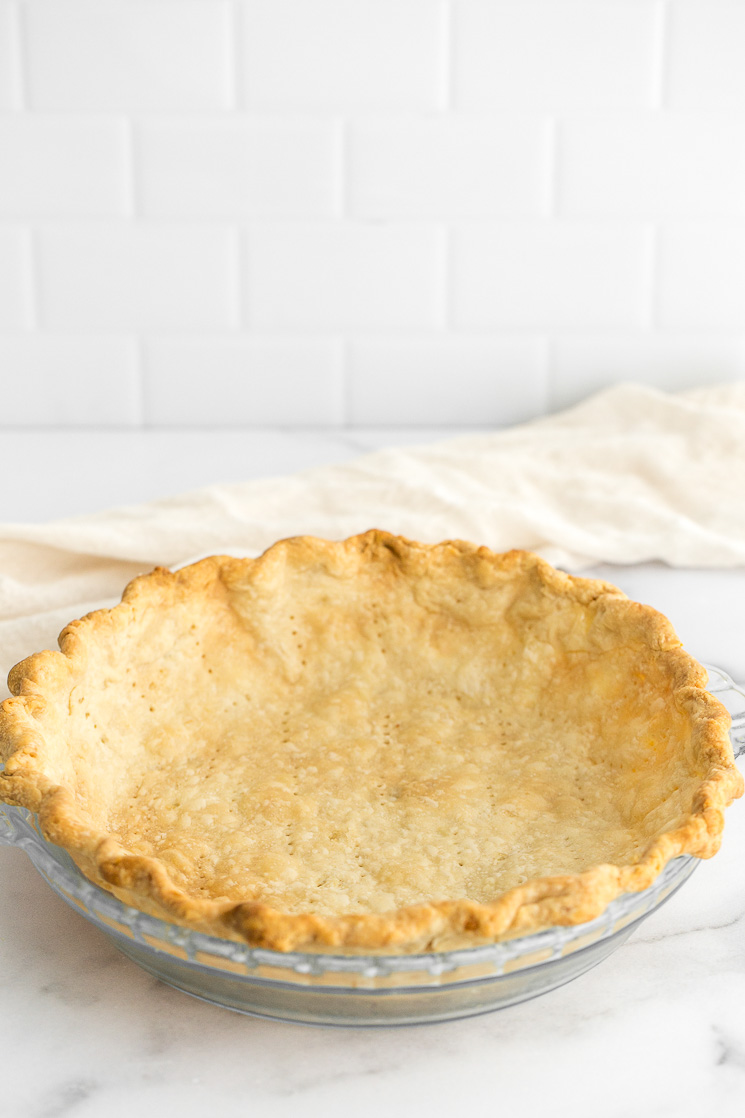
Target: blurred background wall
{"points": [[362, 212]]}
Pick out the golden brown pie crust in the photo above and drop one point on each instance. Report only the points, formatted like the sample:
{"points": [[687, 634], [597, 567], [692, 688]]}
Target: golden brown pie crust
{"points": [[373, 744]]}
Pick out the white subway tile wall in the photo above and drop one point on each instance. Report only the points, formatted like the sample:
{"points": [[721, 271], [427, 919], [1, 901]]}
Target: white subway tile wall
{"points": [[333, 56], [59, 167], [345, 275], [365, 212], [137, 277], [568, 275], [653, 165], [10, 67], [705, 58], [586, 365], [93, 56], [275, 382], [694, 260], [239, 168], [554, 55], [447, 167], [463, 381], [16, 311], [69, 381]]}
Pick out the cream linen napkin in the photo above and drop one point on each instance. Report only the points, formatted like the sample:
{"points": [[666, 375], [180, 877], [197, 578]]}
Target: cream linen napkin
{"points": [[630, 475]]}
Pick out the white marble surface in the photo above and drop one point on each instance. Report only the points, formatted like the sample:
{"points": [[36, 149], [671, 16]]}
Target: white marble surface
{"points": [[656, 1030]]}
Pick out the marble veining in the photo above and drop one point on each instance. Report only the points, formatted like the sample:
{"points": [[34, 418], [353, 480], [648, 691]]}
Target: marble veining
{"points": [[65, 1098]]}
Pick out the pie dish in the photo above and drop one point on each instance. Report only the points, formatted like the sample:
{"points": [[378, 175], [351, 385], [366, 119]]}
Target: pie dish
{"points": [[370, 745]]}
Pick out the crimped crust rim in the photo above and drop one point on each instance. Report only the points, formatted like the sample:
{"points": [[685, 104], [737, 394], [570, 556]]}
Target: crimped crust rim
{"points": [[144, 882]]}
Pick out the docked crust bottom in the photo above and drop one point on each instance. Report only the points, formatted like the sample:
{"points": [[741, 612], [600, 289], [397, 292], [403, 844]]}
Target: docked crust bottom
{"points": [[370, 745]]}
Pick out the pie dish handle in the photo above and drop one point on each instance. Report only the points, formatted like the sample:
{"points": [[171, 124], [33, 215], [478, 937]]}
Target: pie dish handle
{"points": [[737, 733], [733, 696]]}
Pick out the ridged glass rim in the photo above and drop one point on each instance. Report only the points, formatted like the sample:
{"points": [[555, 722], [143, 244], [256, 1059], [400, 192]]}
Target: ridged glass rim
{"points": [[18, 828]]}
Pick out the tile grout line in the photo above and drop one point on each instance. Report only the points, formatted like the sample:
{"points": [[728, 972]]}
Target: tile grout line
{"points": [[138, 345], [241, 290], [346, 394], [447, 61], [661, 55], [342, 171], [651, 272], [550, 178], [32, 276], [447, 282], [235, 58], [132, 199], [550, 370], [32, 280], [22, 89]]}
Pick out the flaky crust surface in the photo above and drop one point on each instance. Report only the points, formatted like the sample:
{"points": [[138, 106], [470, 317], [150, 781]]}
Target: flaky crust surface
{"points": [[370, 745]]}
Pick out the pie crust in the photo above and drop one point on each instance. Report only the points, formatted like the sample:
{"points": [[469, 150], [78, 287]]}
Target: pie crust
{"points": [[373, 744]]}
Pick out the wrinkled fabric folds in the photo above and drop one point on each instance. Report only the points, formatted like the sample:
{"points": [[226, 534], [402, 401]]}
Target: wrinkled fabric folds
{"points": [[630, 475]]}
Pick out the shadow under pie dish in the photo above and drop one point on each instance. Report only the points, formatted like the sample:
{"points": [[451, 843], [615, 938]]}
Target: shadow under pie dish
{"points": [[370, 746]]}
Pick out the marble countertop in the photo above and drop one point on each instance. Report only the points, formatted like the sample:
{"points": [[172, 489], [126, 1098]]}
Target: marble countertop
{"points": [[657, 1030]]}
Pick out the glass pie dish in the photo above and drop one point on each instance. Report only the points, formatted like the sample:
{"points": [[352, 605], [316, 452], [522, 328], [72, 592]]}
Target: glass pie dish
{"points": [[355, 989]]}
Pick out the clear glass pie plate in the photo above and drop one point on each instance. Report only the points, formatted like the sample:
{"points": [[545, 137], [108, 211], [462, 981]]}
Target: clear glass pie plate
{"points": [[325, 989]]}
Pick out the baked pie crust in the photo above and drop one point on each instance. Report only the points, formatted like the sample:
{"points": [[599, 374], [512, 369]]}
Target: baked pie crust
{"points": [[373, 744]]}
